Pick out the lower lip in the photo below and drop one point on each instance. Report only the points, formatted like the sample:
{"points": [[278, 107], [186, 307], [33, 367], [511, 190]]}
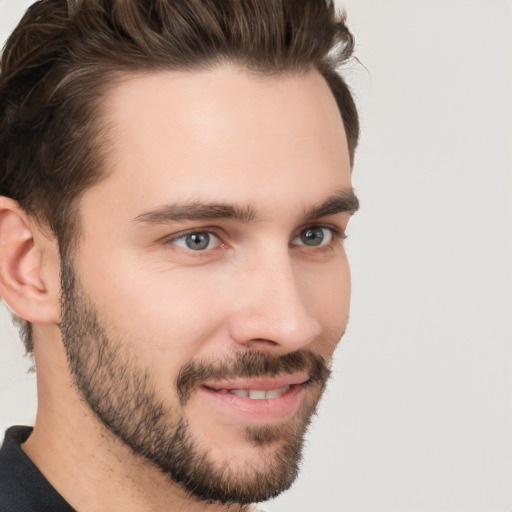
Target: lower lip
{"points": [[258, 411]]}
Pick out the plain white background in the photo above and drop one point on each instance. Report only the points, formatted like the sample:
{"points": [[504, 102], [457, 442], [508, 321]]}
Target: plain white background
{"points": [[418, 415]]}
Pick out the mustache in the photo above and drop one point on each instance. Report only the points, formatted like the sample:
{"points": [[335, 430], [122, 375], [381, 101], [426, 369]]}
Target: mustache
{"points": [[251, 364]]}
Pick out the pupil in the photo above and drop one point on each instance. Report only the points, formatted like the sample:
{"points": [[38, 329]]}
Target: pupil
{"points": [[198, 241], [313, 236]]}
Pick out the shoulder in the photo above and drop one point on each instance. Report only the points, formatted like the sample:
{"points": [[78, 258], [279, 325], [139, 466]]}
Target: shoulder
{"points": [[23, 488]]}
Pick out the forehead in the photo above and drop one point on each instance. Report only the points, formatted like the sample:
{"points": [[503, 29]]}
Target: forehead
{"points": [[226, 133]]}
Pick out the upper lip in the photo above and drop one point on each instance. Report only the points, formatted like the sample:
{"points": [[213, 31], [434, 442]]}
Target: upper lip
{"points": [[260, 383]]}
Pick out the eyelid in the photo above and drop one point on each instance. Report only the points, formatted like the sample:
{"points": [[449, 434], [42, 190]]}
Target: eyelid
{"points": [[337, 234], [170, 239], [336, 231]]}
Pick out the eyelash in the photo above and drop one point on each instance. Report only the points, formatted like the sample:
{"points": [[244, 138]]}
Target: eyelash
{"points": [[336, 234]]}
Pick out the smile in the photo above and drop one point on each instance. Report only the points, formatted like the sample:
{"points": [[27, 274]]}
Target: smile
{"points": [[257, 394], [256, 400]]}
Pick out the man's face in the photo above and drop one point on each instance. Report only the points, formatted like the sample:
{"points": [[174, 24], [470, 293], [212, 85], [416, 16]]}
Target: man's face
{"points": [[211, 287]]}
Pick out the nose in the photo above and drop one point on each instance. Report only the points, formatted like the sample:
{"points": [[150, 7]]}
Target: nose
{"points": [[271, 312]]}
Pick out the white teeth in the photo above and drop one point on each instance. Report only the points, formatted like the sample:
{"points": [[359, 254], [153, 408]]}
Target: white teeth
{"points": [[258, 394], [240, 392], [274, 393]]}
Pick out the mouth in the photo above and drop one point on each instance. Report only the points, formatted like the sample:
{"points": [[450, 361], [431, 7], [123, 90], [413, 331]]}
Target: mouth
{"points": [[258, 400], [257, 394]]}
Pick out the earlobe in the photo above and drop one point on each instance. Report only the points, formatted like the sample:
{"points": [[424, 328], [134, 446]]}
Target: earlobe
{"points": [[26, 284]]}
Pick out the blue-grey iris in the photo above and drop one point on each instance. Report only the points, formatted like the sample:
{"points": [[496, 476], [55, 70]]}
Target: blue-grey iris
{"points": [[197, 241], [312, 236]]}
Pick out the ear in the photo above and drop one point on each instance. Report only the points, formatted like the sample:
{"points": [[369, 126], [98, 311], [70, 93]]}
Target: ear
{"points": [[29, 266]]}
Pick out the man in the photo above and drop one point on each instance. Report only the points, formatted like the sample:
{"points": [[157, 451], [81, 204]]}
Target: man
{"points": [[175, 182]]}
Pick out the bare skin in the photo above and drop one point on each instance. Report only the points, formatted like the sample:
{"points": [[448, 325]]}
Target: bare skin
{"points": [[273, 146]]}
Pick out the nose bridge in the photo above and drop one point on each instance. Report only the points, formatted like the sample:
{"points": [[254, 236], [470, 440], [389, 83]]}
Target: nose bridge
{"points": [[272, 306]]}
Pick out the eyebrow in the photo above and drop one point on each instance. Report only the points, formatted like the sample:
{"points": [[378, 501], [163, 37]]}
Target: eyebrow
{"points": [[196, 211], [344, 201]]}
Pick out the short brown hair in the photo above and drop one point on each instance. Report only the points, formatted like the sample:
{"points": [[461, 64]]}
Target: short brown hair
{"points": [[64, 54]]}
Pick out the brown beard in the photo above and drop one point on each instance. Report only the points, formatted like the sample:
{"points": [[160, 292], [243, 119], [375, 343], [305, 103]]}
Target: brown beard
{"points": [[122, 395]]}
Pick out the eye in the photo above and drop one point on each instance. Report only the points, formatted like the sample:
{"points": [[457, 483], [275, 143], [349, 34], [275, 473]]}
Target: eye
{"points": [[314, 236], [197, 241]]}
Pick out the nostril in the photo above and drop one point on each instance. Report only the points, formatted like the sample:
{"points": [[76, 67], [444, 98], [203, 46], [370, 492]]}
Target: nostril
{"points": [[261, 343]]}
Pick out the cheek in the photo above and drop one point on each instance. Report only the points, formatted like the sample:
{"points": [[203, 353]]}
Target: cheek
{"points": [[171, 310], [326, 295], [177, 313], [326, 287]]}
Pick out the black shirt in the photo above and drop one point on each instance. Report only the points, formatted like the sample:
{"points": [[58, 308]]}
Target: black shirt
{"points": [[23, 488]]}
